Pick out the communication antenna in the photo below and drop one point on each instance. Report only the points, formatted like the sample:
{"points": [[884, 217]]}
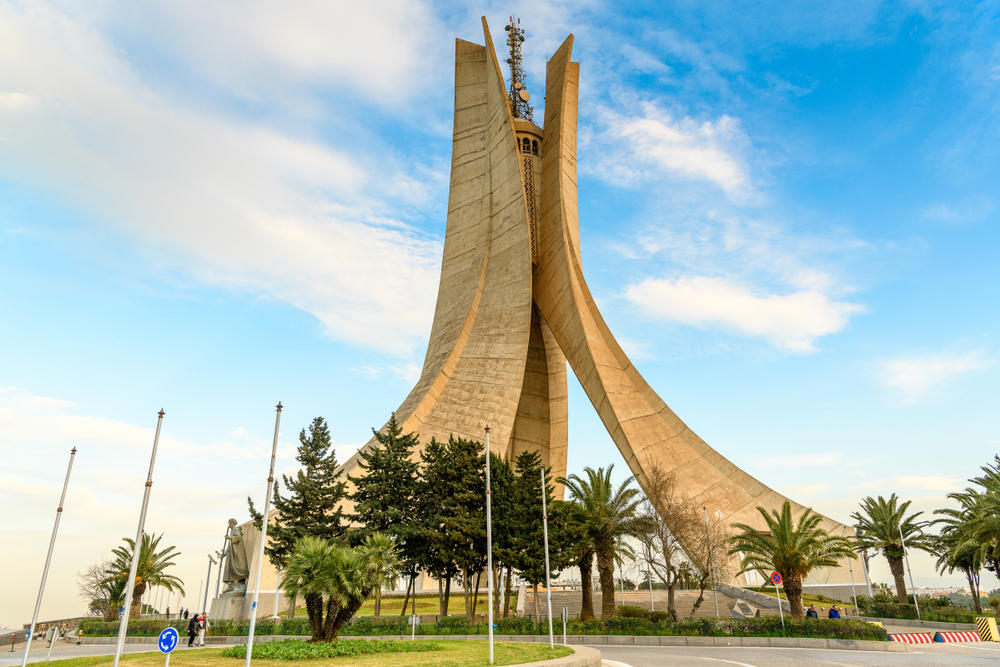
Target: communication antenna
{"points": [[519, 95]]}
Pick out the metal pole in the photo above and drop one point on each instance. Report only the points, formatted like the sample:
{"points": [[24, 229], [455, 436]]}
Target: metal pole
{"points": [[545, 537], [565, 614], [907, 558], [48, 559], [621, 572], [263, 538], [489, 544], [277, 590], [781, 613], [708, 548], [218, 575], [864, 568], [208, 581], [854, 591], [137, 545]]}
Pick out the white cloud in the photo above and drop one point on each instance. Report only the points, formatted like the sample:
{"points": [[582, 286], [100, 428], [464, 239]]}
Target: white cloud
{"points": [[653, 144], [806, 490], [237, 204], [790, 321], [914, 377]]}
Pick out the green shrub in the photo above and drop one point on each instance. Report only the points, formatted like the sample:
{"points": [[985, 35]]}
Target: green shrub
{"points": [[458, 625], [630, 611], [516, 626], [297, 649], [658, 616]]}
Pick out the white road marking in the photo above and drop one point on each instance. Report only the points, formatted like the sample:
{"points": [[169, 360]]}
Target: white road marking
{"points": [[730, 662], [978, 648], [614, 663]]}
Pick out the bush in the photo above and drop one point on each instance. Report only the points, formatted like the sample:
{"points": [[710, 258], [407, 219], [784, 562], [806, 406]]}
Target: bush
{"points": [[297, 649], [516, 626], [630, 611], [927, 613]]}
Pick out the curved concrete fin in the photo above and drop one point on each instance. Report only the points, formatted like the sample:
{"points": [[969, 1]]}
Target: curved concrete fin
{"points": [[645, 430], [476, 355]]}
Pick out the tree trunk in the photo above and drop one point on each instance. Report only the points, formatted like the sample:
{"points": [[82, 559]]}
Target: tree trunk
{"points": [[702, 583], [291, 607], [896, 567], [793, 591], [974, 589], [606, 573], [440, 597], [378, 601], [314, 609], [475, 594], [586, 566], [507, 595], [671, 607], [409, 587], [466, 592], [447, 596], [136, 609]]}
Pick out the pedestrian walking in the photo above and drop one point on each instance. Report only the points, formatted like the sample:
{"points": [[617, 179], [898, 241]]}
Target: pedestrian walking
{"points": [[834, 612], [811, 612], [186, 612], [192, 629], [202, 628]]}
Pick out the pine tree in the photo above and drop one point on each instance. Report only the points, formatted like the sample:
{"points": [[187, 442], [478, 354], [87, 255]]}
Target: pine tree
{"points": [[316, 493], [452, 511], [385, 495]]}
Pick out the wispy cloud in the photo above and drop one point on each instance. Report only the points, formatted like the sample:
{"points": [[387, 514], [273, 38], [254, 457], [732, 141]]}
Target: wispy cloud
{"points": [[914, 377], [655, 144], [792, 321], [234, 203]]}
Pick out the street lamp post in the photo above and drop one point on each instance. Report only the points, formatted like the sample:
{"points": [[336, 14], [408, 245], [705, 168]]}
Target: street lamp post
{"points": [[489, 545]]}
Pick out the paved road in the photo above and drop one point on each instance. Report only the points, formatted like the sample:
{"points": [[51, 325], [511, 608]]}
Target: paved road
{"points": [[64, 649], [648, 656]]}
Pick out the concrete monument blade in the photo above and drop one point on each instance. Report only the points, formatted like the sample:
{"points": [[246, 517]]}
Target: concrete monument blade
{"points": [[513, 304]]}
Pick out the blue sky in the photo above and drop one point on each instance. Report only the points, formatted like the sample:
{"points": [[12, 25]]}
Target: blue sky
{"points": [[788, 216]]}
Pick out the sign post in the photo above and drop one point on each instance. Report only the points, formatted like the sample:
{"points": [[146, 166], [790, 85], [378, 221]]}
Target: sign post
{"points": [[776, 580], [167, 643]]}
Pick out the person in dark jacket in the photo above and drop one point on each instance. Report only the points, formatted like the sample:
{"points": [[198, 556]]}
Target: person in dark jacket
{"points": [[192, 629], [834, 612], [186, 612], [811, 612]]}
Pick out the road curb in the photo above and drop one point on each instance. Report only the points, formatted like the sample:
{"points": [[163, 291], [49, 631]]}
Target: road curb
{"points": [[592, 640]]}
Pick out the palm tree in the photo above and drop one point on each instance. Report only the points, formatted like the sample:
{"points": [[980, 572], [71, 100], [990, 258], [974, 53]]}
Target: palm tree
{"points": [[383, 563], [878, 527], [793, 549], [956, 547], [608, 514], [151, 567], [319, 569]]}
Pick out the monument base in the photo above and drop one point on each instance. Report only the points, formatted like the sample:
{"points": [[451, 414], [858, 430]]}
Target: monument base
{"points": [[228, 605]]}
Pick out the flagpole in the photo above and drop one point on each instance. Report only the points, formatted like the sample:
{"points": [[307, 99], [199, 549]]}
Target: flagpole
{"points": [[907, 557], [137, 546], [708, 546], [489, 544], [263, 537], [48, 559], [545, 536]]}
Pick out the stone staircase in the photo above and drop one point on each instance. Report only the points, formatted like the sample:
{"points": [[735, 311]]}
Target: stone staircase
{"points": [[683, 602]]}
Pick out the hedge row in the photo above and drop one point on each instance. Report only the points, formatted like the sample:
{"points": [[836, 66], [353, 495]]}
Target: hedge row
{"points": [[766, 626]]}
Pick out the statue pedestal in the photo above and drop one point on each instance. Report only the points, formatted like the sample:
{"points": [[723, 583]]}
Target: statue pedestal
{"points": [[228, 605]]}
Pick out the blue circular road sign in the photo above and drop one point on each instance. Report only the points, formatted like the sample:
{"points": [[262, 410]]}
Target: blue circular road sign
{"points": [[168, 640]]}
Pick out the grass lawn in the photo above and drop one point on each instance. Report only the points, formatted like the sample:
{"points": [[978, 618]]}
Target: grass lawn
{"points": [[426, 604], [451, 654]]}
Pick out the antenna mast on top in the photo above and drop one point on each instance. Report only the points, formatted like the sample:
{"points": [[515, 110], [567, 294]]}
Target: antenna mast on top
{"points": [[518, 93]]}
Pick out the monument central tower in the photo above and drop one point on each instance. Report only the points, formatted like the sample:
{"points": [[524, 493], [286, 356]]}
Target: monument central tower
{"points": [[513, 305]]}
